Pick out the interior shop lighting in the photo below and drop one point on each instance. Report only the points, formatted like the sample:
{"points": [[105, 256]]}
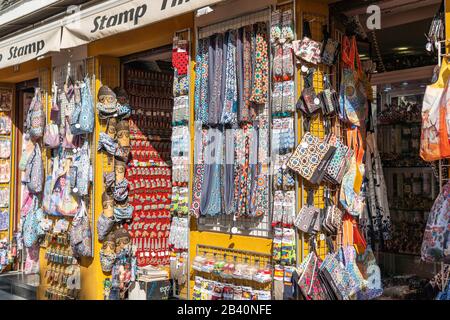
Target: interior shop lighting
{"points": [[204, 10], [401, 49]]}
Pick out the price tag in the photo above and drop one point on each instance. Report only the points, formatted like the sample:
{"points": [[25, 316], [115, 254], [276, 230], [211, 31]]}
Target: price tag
{"points": [[234, 230], [316, 101], [304, 69], [322, 237]]}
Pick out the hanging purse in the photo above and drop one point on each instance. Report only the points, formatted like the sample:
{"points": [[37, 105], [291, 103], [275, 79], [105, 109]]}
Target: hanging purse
{"points": [[329, 97], [330, 49], [82, 119], [311, 157], [309, 281], [51, 136], [305, 220], [35, 122], [35, 171], [367, 264], [353, 98], [31, 229], [307, 49], [81, 234], [351, 196], [338, 161], [311, 101]]}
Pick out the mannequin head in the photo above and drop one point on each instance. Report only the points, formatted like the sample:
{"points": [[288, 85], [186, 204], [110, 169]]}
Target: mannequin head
{"points": [[123, 239], [108, 205], [123, 133], [111, 130], [119, 169]]}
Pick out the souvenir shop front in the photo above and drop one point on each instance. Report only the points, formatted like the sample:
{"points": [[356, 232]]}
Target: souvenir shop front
{"points": [[224, 153]]}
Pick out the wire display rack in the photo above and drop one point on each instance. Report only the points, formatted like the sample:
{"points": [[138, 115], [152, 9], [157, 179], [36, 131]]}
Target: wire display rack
{"points": [[245, 226], [258, 259]]}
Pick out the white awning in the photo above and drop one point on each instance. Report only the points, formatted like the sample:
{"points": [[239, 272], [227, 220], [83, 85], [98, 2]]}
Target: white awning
{"points": [[118, 16], [30, 45]]}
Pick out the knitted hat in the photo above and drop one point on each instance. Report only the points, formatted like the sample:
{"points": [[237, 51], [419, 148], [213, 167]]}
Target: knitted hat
{"points": [[119, 162], [107, 197], [121, 233], [105, 91], [123, 125], [111, 237]]}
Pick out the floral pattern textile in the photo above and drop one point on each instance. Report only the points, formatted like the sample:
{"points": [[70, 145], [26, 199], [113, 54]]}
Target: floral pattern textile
{"points": [[436, 238], [261, 73], [230, 104]]}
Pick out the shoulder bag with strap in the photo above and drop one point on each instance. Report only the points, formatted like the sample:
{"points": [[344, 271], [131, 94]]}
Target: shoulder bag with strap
{"points": [[353, 98]]}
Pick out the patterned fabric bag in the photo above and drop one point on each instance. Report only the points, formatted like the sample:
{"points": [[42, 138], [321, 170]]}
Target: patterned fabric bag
{"points": [[308, 50], [353, 99], [31, 229], [80, 234], [334, 171], [4, 220], [351, 196], [436, 238], [51, 136], [309, 281], [311, 101], [371, 272], [335, 276], [310, 158], [330, 48], [82, 119], [35, 122], [35, 171], [435, 144], [330, 98], [306, 218], [80, 172]]}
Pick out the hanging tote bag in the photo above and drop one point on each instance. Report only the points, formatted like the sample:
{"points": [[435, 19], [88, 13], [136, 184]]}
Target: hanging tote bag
{"points": [[371, 272], [351, 196], [35, 171], [353, 98], [436, 238], [36, 117], [81, 234], [51, 136], [82, 119], [31, 229], [433, 118], [80, 172]]}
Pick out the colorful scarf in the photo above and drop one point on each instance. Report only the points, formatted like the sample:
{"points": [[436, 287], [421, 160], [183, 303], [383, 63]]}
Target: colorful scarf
{"points": [[211, 197], [261, 77], [229, 113]]}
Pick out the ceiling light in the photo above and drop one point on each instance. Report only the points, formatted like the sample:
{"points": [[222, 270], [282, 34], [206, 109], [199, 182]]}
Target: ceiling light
{"points": [[204, 10], [401, 49], [405, 84]]}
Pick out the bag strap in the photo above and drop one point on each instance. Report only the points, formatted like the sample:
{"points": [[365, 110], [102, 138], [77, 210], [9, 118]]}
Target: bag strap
{"points": [[330, 245], [310, 198]]}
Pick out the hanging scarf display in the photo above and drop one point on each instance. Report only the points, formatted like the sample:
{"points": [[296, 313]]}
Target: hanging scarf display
{"points": [[261, 73], [217, 48], [211, 198], [199, 168], [229, 112]]}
